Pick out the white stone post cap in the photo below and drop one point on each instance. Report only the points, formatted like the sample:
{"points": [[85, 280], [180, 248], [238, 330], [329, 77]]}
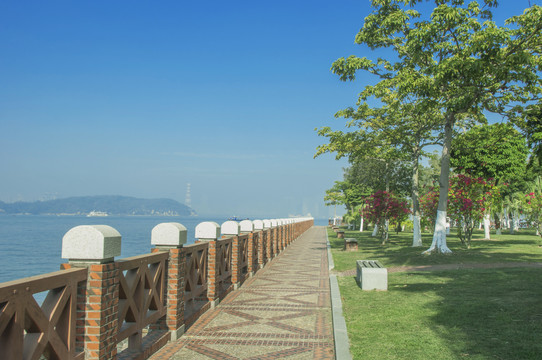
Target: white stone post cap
{"points": [[246, 226], [168, 234], [274, 223], [258, 224], [266, 224], [91, 243], [208, 230], [230, 227]]}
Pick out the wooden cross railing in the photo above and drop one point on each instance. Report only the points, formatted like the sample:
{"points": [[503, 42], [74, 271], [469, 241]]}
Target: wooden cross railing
{"points": [[31, 331]]}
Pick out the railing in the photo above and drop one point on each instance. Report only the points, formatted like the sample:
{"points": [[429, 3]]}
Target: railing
{"points": [[99, 308], [195, 288], [141, 296], [28, 330]]}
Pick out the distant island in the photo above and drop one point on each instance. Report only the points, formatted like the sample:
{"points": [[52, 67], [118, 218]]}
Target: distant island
{"points": [[99, 206]]}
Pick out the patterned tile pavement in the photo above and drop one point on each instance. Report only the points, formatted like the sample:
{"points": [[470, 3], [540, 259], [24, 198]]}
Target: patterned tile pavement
{"points": [[283, 312]]}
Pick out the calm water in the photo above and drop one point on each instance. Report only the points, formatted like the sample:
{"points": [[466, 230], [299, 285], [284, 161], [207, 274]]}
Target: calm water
{"points": [[32, 245]]}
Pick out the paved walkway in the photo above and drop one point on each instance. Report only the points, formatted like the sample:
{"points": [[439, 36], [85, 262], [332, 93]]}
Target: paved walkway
{"points": [[283, 312]]}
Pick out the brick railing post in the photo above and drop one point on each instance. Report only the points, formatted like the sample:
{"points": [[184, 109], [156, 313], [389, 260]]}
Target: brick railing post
{"points": [[290, 233], [268, 240], [171, 237], [282, 233], [231, 229], [258, 227], [210, 232], [247, 227], [95, 247], [274, 235]]}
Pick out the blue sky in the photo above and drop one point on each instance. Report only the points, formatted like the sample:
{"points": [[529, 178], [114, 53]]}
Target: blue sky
{"points": [[139, 98]]}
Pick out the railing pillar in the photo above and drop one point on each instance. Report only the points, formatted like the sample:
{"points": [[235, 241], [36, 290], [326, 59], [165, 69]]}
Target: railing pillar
{"points": [[247, 227], [274, 236], [232, 228], [258, 227], [210, 231], [171, 237], [268, 239], [95, 247]]}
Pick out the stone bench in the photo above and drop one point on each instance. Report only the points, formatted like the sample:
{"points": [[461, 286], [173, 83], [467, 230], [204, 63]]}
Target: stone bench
{"points": [[350, 244], [340, 234], [371, 275]]}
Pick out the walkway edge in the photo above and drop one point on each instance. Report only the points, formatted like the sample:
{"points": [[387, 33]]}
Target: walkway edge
{"points": [[340, 335]]}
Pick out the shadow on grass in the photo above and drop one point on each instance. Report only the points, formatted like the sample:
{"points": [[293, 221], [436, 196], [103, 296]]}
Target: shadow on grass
{"points": [[398, 251], [494, 313]]}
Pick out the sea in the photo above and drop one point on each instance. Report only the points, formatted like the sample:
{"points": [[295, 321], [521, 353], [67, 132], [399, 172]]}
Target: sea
{"points": [[32, 244]]}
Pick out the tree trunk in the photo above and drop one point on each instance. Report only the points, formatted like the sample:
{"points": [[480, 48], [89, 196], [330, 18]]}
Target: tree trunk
{"points": [[416, 233], [375, 230], [417, 241], [439, 237], [361, 224], [487, 224], [512, 222]]}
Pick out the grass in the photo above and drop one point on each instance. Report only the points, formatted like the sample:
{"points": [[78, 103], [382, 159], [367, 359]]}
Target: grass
{"points": [[521, 247], [474, 314], [455, 314]]}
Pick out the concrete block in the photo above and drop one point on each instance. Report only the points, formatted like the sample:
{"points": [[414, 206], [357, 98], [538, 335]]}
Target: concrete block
{"points": [[246, 226], [168, 234], [230, 228], [208, 230], [92, 243], [274, 223], [266, 224], [258, 224], [371, 275], [350, 244]]}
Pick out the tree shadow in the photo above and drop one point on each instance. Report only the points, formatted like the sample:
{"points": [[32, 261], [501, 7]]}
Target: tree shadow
{"points": [[494, 313]]}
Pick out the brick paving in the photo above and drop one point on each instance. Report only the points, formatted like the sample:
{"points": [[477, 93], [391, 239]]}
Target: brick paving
{"points": [[282, 312]]}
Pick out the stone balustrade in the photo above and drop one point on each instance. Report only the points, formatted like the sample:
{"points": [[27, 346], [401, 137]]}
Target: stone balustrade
{"points": [[131, 307]]}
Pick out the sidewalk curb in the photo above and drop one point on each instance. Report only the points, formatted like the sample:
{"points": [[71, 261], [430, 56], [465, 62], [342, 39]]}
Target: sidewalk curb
{"points": [[340, 335]]}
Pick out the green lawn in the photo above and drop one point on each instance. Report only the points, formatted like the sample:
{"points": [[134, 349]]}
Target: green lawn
{"points": [[456, 314], [522, 247]]}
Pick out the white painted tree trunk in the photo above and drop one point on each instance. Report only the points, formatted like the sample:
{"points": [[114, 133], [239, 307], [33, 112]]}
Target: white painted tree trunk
{"points": [[512, 222], [417, 236], [487, 224], [439, 237], [387, 229], [361, 224], [375, 231]]}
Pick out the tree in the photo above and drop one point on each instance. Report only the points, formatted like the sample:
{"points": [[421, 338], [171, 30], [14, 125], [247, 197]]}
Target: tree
{"points": [[384, 206], [454, 61], [428, 206], [533, 208], [495, 151], [469, 198]]}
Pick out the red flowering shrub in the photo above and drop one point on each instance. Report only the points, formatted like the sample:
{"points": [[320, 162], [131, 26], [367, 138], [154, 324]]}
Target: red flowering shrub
{"points": [[383, 206], [428, 207], [469, 199], [532, 205]]}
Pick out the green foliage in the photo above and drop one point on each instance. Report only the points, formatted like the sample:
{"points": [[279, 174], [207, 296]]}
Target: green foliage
{"points": [[469, 199], [383, 207], [450, 63], [532, 205], [495, 151], [428, 207]]}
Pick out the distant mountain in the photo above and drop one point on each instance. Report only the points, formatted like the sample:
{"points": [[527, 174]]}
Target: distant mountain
{"points": [[112, 205]]}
